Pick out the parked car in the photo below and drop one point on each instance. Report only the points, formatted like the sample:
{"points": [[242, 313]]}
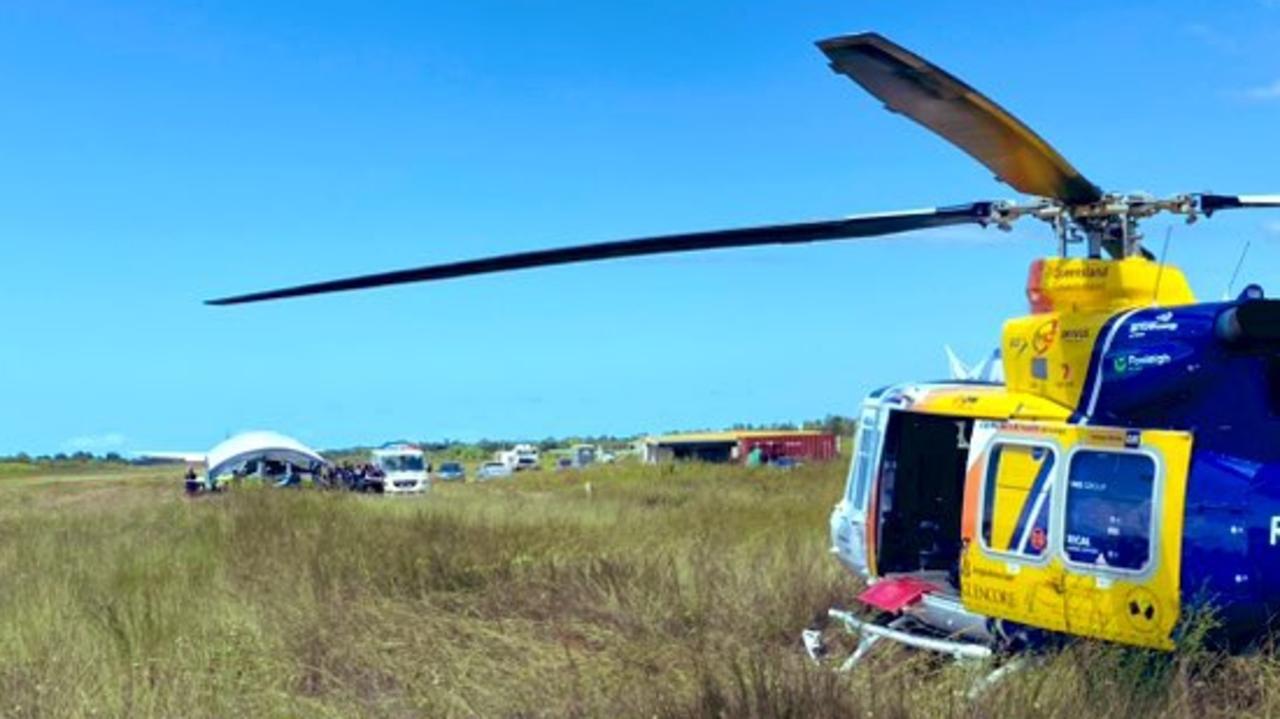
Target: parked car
{"points": [[492, 470], [452, 472]]}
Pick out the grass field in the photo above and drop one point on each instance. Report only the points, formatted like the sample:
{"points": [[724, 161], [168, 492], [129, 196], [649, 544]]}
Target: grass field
{"points": [[657, 591]]}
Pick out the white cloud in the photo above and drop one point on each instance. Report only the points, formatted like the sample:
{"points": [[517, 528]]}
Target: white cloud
{"points": [[1264, 93], [96, 443]]}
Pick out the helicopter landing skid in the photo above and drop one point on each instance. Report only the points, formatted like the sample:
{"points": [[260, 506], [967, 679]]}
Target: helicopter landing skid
{"points": [[870, 634]]}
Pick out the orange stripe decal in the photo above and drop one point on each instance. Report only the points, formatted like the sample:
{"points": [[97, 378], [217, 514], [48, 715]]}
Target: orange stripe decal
{"points": [[972, 483]]}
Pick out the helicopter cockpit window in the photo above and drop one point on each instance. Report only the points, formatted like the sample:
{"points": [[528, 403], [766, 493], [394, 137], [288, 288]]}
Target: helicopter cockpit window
{"points": [[1109, 503], [1017, 499]]}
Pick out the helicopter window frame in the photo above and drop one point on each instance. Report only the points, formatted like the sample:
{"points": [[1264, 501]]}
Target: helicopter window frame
{"points": [[1154, 520], [859, 482], [1051, 484]]}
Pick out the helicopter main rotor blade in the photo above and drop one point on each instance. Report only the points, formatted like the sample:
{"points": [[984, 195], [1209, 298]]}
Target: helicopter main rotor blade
{"points": [[847, 228], [1210, 204], [910, 85]]}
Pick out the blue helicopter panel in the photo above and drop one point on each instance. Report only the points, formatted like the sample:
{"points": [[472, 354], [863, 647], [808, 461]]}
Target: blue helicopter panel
{"points": [[1175, 368]]}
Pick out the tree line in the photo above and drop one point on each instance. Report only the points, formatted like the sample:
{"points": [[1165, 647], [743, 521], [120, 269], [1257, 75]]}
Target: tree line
{"points": [[838, 425]]}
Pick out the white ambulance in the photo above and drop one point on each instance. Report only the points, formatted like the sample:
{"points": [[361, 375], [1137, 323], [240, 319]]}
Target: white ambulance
{"points": [[403, 466]]}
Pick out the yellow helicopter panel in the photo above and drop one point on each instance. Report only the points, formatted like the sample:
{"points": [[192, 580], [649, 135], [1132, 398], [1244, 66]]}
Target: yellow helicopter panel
{"points": [[1076, 529], [1083, 285], [1047, 353], [989, 401], [1013, 480]]}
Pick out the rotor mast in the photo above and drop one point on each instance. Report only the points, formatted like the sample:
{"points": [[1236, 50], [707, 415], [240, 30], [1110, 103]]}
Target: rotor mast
{"points": [[1110, 225]]}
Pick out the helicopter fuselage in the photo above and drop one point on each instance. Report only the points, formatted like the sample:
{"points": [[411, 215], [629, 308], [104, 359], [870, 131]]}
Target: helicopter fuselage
{"points": [[1125, 474]]}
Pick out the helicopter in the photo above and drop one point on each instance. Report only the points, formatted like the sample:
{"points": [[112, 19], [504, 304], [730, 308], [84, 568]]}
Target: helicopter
{"points": [[1122, 470]]}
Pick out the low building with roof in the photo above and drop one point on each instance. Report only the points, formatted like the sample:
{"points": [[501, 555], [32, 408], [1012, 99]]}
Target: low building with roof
{"points": [[735, 445]]}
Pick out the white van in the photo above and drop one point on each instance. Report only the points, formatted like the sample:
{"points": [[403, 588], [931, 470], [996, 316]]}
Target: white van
{"points": [[404, 468], [521, 458]]}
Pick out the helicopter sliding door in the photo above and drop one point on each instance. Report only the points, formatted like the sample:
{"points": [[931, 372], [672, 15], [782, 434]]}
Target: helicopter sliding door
{"points": [[1076, 529]]}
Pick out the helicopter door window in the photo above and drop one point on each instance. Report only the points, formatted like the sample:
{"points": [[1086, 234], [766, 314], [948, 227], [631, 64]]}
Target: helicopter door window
{"points": [[1017, 499], [864, 460], [1109, 519]]}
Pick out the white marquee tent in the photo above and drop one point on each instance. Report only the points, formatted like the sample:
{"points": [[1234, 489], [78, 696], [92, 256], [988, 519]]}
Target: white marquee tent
{"points": [[259, 446]]}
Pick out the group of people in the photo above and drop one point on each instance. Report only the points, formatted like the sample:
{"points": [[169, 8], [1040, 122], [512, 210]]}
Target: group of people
{"points": [[363, 477], [355, 477]]}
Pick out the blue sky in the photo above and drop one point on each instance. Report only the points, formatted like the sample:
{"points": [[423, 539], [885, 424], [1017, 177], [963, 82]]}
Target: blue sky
{"points": [[157, 154]]}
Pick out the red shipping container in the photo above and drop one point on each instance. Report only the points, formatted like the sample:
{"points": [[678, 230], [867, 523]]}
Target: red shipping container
{"points": [[805, 447]]}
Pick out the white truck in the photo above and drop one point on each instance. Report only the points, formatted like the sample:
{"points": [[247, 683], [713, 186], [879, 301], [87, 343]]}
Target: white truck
{"points": [[520, 458], [403, 466]]}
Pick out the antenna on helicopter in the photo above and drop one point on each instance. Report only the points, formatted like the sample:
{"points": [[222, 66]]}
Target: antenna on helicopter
{"points": [[1164, 259], [1236, 273]]}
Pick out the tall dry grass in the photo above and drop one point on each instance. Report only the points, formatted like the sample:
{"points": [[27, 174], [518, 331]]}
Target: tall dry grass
{"points": [[667, 592]]}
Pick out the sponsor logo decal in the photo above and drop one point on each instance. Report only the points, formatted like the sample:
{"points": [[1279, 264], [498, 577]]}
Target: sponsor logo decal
{"points": [[1077, 540], [1044, 336], [1038, 540], [1105, 437], [1135, 363], [1133, 438], [1078, 334], [993, 595], [1088, 272], [1020, 427], [1162, 322]]}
